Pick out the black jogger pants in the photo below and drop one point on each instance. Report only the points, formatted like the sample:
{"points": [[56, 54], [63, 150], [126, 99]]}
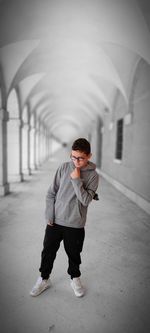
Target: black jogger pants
{"points": [[73, 239]]}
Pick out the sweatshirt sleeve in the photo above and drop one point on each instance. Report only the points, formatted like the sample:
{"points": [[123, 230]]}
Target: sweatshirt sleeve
{"points": [[85, 196], [50, 197]]}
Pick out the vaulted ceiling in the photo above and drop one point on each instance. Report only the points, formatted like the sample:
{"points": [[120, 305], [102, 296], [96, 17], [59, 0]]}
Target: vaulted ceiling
{"points": [[67, 57]]}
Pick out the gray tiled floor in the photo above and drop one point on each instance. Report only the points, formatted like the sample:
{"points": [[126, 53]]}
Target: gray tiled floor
{"points": [[115, 265]]}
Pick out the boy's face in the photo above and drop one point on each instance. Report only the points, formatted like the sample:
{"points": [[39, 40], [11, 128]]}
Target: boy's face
{"points": [[79, 158]]}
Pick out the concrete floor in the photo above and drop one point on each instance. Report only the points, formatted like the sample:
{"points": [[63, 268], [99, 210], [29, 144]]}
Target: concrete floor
{"points": [[115, 265]]}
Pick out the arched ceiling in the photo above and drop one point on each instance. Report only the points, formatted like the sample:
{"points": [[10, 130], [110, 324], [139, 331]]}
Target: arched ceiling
{"points": [[67, 58]]}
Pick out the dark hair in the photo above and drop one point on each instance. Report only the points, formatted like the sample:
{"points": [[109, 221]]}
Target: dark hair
{"points": [[82, 145]]}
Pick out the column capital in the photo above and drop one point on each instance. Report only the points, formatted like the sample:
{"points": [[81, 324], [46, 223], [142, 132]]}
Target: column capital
{"points": [[4, 115]]}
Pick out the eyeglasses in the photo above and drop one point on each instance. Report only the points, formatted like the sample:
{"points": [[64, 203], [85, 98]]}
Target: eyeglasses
{"points": [[79, 159]]}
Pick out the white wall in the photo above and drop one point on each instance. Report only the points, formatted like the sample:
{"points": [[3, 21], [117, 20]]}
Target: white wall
{"points": [[133, 171]]}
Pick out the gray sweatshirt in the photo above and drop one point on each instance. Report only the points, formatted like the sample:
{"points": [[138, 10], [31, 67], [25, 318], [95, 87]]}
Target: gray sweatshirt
{"points": [[67, 199]]}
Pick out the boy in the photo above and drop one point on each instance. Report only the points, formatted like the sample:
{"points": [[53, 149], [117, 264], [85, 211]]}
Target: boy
{"points": [[67, 200]]}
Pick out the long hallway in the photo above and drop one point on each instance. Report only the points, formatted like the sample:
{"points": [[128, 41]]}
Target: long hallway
{"points": [[115, 265], [75, 69]]}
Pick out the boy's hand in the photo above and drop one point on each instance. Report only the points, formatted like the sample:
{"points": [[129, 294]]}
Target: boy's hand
{"points": [[50, 223], [75, 173]]}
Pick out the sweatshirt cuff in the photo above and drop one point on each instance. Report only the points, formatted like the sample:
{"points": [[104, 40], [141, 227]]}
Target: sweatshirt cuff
{"points": [[49, 217], [77, 181]]}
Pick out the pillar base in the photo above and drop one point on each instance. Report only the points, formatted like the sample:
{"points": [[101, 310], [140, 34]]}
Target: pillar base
{"points": [[15, 178], [29, 171], [36, 167], [4, 189], [21, 177]]}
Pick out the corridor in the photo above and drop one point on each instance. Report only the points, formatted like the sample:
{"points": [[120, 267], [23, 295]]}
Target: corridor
{"points": [[75, 69], [115, 264]]}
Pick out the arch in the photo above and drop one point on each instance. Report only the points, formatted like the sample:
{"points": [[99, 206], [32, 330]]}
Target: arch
{"points": [[32, 141], [138, 134], [25, 124], [0, 97], [36, 100], [26, 86], [61, 121], [66, 133], [41, 107], [87, 112], [25, 114], [140, 65], [52, 118], [3, 88], [13, 105], [41, 139], [15, 53], [13, 137]]}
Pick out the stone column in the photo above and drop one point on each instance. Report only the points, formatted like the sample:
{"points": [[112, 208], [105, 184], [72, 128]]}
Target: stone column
{"points": [[40, 146], [47, 145], [35, 143], [4, 186], [36, 150], [29, 150], [44, 145], [99, 143], [20, 151]]}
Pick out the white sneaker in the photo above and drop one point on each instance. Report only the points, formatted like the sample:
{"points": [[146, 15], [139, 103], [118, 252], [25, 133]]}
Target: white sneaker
{"points": [[77, 287], [40, 286]]}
